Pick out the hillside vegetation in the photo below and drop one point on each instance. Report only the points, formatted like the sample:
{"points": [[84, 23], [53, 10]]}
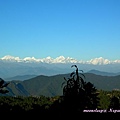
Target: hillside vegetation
{"points": [[72, 93], [51, 85]]}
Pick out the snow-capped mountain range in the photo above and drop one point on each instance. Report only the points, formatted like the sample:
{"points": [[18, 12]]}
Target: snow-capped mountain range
{"points": [[60, 59], [11, 66]]}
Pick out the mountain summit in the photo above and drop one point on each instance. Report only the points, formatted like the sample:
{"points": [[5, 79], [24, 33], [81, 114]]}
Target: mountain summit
{"points": [[60, 59]]}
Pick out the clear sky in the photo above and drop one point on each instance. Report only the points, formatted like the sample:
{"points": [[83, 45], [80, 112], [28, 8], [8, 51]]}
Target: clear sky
{"points": [[81, 29]]}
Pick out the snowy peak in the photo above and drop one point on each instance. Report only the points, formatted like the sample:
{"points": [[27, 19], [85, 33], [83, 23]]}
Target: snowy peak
{"points": [[60, 59], [100, 61], [10, 58]]}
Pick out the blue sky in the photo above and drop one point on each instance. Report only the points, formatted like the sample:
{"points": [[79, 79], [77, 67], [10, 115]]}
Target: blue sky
{"points": [[81, 29]]}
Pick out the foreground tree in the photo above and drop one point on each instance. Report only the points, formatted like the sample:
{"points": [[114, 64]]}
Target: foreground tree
{"points": [[114, 100], [3, 84], [78, 94]]}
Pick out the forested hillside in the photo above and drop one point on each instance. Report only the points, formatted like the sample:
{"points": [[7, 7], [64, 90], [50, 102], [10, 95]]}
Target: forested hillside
{"points": [[71, 93], [51, 85]]}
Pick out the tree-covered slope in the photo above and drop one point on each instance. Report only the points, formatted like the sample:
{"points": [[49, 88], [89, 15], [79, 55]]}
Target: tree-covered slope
{"points": [[51, 85]]}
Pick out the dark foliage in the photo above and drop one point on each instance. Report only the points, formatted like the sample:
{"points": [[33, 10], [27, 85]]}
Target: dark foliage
{"points": [[115, 100], [78, 94], [3, 84]]}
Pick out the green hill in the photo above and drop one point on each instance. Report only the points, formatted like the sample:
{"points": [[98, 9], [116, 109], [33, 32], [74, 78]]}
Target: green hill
{"points": [[51, 85]]}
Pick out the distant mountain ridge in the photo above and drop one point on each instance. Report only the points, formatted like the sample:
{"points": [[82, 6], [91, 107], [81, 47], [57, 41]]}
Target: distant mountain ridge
{"points": [[12, 69], [20, 77], [51, 85], [97, 72]]}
